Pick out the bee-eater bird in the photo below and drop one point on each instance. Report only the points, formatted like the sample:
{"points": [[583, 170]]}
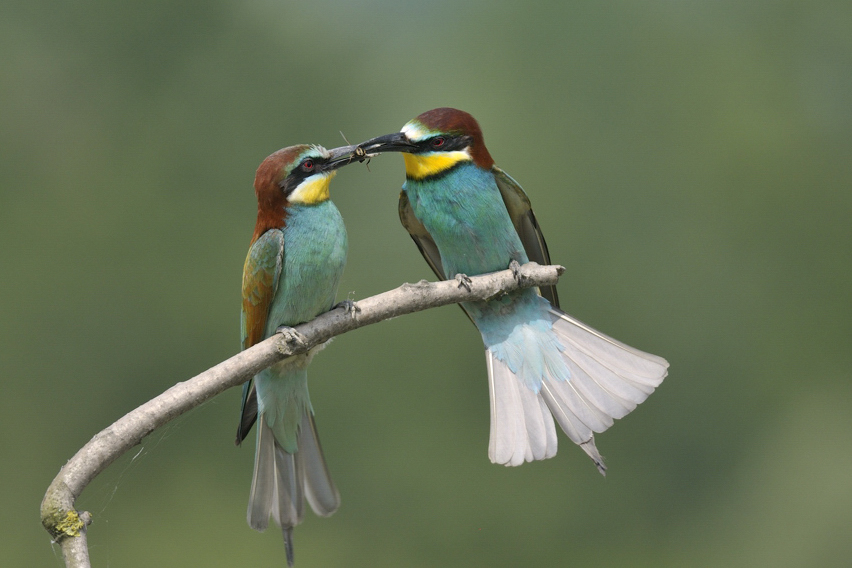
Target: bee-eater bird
{"points": [[467, 216], [291, 273]]}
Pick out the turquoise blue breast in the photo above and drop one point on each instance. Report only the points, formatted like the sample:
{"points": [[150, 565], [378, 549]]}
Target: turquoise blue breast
{"points": [[466, 216], [315, 246]]}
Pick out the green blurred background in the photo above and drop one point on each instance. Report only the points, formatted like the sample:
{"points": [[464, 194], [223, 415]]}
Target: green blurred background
{"points": [[690, 163]]}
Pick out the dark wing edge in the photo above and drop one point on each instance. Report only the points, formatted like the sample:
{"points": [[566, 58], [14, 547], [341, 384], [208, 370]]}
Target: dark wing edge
{"points": [[520, 211], [248, 411]]}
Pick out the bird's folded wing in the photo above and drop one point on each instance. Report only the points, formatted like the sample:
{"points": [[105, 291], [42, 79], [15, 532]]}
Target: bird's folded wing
{"points": [[520, 211], [261, 274]]}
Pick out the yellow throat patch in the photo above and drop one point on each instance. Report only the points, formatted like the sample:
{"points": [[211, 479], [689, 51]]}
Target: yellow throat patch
{"points": [[419, 166], [313, 190]]}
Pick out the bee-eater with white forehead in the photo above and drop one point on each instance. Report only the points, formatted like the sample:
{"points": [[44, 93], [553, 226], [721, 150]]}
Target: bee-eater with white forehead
{"points": [[291, 273], [467, 217]]}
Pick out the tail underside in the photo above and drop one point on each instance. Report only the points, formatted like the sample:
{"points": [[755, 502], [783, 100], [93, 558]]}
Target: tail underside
{"points": [[607, 379], [282, 481]]}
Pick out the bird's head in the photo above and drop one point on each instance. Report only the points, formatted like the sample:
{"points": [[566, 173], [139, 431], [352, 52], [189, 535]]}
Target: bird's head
{"points": [[295, 175], [299, 174], [434, 143]]}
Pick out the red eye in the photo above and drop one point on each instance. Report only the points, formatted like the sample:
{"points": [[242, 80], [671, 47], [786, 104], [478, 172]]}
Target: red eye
{"points": [[438, 142], [308, 165]]}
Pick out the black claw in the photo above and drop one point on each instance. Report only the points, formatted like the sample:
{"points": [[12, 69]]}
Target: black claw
{"points": [[464, 281]]}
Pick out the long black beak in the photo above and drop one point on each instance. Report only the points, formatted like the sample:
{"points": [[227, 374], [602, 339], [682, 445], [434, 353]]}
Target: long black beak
{"points": [[396, 142], [343, 156]]}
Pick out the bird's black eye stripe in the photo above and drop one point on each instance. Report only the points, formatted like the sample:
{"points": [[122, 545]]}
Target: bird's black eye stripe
{"points": [[305, 169], [445, 143]]}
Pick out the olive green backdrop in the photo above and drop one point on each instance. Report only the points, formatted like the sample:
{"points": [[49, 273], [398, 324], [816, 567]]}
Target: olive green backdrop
{"points": [[690, 163]]}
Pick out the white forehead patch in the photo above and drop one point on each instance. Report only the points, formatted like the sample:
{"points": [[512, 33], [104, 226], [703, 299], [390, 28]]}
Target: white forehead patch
{"points": [[416, 132], [312, 152]]}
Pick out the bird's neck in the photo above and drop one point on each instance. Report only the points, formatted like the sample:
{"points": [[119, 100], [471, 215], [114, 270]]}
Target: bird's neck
{"points": [[271, 214]]}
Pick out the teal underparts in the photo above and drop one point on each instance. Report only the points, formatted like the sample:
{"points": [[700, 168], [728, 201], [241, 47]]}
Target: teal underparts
{"points": [[517, 328]]}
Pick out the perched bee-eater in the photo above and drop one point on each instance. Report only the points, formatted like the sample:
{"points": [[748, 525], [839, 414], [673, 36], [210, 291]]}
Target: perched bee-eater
{"points": [[467, 217], [290, 276]]}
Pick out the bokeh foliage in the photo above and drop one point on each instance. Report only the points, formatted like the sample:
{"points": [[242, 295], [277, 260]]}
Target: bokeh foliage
{"points": [[690, 163]]}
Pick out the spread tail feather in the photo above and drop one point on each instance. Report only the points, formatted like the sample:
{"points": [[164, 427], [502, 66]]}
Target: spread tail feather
{"points": [[521, 426], [607, 380], [281, 481], [319, 488]]}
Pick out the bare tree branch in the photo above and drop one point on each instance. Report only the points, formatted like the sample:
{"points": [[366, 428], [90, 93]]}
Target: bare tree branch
{"points": [[68, 526]]}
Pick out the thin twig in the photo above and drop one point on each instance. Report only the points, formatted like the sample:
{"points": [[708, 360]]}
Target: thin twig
{"points": [[68, 526]]}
